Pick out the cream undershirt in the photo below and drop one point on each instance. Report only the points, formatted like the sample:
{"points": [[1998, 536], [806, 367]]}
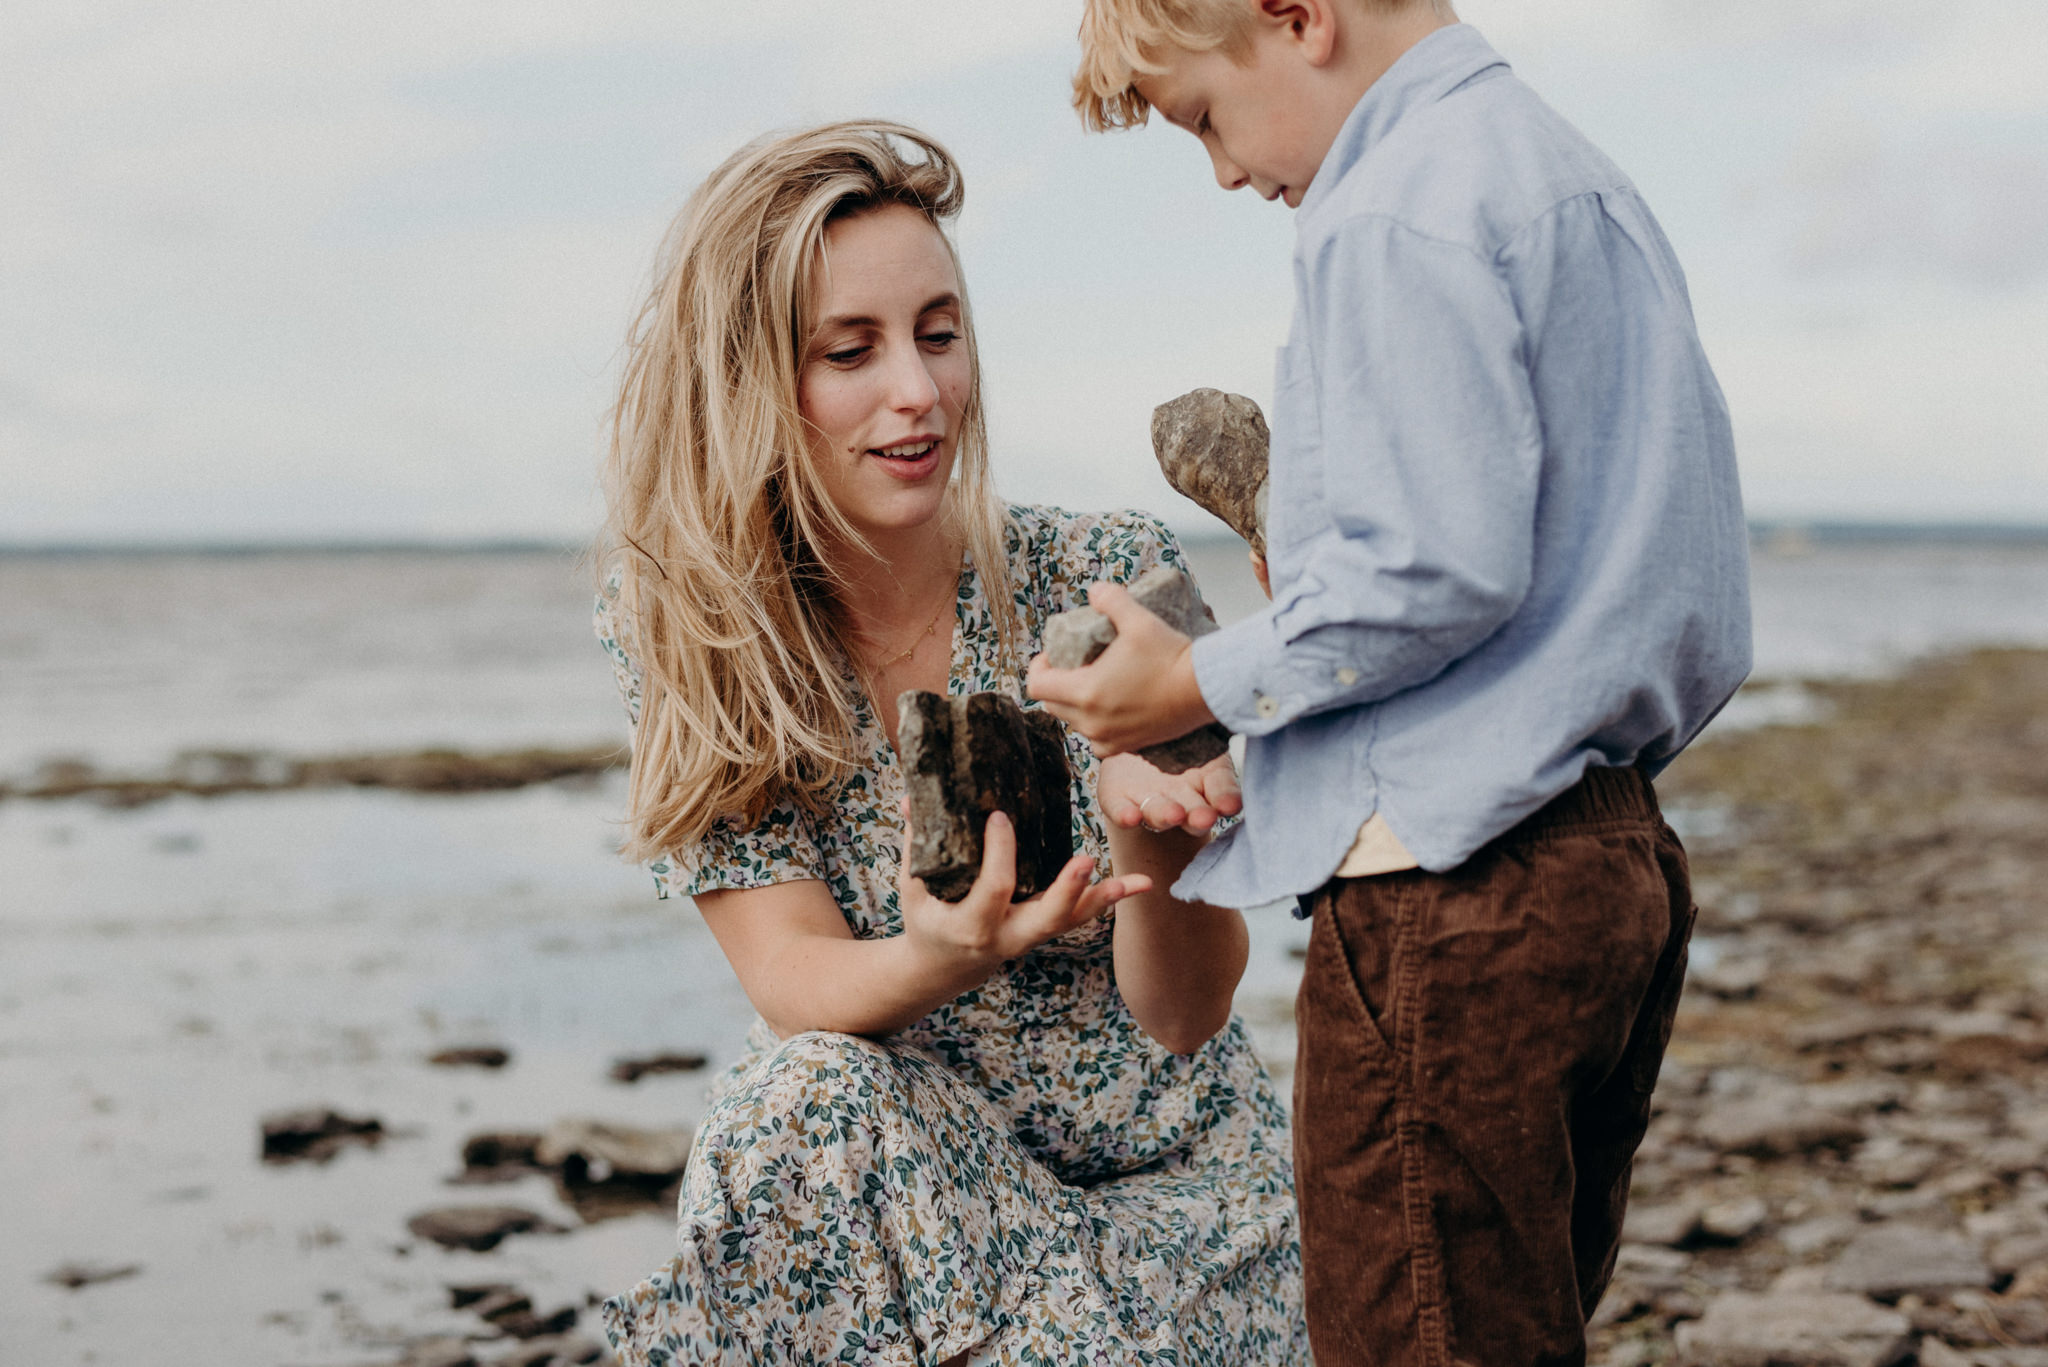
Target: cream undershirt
{"points": [[1377, 850]]}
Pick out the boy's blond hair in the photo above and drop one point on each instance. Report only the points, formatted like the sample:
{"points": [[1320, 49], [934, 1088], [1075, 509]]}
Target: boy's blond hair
{"points": [[1123, 40]]}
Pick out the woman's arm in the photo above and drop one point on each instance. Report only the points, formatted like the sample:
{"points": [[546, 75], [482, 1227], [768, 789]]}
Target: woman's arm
{"points": [[1177, 963], [803, 969]]}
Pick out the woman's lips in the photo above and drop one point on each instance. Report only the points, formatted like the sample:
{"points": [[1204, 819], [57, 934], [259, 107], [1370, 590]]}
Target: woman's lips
{"points": [[909, 468]]}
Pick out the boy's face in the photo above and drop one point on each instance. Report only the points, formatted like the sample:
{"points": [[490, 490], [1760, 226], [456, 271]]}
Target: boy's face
{"points": [[1259, 117]]}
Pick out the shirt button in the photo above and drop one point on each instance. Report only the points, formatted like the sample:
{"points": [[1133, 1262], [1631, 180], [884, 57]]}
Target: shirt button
{"points": [[1347, 676], [1266, 707]]}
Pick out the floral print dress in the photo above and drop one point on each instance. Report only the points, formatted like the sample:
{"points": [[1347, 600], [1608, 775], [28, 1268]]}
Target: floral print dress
{"points": [[1024, 1175]]}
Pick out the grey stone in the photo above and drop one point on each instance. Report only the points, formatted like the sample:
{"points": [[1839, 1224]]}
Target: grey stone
{"points": [[607, 1150], [1767, 1127], [1795, 1329], [1730, 1222], [1213, 447], [1075, 638], [964, 758], [478, 1228], [1669, 1225], [1891, 1261], [563, 1350], [471, 1056]]}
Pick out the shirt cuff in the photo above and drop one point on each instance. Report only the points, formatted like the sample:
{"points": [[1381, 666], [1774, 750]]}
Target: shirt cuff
{"points": [[1253, 687]]}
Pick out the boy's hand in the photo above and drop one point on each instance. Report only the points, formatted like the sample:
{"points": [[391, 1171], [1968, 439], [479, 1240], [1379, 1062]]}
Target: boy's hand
{"points": [[1134, 793], [1138, 692], [985, 927]]}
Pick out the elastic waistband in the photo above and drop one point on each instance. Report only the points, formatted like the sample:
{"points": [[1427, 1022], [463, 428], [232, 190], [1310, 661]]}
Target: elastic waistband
{"points": [[1606, 794]]}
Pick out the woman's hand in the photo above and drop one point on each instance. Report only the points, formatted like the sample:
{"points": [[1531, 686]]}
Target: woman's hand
{"points": [[984, 928], [1134, 793]]}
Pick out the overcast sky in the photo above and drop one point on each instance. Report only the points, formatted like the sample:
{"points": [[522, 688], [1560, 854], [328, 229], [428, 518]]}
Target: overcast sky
{"points": [[272, 271]]}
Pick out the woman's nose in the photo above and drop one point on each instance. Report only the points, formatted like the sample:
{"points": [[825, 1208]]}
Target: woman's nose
{"points": [[911, 387]]}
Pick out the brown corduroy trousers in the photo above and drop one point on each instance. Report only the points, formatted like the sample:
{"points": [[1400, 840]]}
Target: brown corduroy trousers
{"points": [[1477, 1054]]}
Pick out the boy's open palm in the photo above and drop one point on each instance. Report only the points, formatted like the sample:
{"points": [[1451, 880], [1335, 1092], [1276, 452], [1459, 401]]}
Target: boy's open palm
{"points": [[985, 927]]}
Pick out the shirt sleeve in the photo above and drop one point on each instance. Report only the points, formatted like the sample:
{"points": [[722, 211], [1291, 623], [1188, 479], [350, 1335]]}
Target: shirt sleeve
{"points": [[1406, 438]]}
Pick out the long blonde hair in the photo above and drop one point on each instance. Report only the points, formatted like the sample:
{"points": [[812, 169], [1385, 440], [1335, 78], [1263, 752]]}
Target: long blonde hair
{"points": [[716, 516]]}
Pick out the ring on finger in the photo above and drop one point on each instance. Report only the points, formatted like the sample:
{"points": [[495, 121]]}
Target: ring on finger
{"points": [[1141, 815]]}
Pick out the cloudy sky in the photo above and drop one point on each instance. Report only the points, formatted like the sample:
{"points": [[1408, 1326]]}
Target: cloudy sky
{"points": [[272, 271]]}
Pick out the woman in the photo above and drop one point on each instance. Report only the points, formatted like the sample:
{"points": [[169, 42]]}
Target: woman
{"points": [[970, 1133]]}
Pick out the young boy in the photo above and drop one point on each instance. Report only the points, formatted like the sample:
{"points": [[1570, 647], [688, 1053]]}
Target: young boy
{"points": [[1508, 567]]}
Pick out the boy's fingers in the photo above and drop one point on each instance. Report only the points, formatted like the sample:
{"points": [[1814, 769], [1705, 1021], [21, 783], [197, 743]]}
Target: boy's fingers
{"points": [[1048, 685]]}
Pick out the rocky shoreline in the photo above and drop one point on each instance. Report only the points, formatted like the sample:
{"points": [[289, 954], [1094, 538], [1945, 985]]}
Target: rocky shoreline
{"points": [[1849, 1161], [217, 773]]}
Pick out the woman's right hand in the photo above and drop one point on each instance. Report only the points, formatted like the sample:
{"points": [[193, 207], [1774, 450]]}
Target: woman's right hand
{"points": [[985, 927]]}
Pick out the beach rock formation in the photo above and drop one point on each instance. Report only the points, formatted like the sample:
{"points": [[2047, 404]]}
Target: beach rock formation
{"points": [[1075, 638], [964, 758], [1212, 447], [477, 1228], [73, 1276], [510, 1311], [630, 1070], [471, 1056], [315, 1135]]}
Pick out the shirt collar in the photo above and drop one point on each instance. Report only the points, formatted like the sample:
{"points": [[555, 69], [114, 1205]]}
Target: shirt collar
{"points": [[1424, 74]]}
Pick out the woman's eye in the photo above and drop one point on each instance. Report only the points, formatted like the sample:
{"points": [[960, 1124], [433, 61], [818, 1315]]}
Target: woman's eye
{"points": [[941, 339], [846, 357]]}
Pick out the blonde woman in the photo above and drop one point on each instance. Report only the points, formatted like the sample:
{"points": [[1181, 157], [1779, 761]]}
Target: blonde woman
{"points": [[976, 1132]]}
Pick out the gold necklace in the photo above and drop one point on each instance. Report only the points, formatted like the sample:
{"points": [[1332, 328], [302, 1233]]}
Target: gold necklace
{"points": [[929, 628]]}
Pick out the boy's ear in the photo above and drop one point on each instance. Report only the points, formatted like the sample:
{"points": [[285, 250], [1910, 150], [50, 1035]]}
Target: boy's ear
{"points": [[1312, 23]]}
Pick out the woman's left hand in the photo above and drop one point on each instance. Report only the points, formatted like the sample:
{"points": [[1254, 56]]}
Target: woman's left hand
{"points": [[1134, 793]]}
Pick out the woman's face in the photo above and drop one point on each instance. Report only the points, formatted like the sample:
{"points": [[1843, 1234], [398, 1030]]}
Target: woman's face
{"points": [[886, 372]]}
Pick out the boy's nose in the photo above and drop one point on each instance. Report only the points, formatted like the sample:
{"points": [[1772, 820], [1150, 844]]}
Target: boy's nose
{"points": [[1229, 174]]}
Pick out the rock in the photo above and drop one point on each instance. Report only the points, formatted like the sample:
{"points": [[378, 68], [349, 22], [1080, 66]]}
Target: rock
{"points": [[315, 1135], [1730, 1222], [437, 1352], [565, 1350], [497, 1155], [1731, 979], [72, 1276], [471, 1056], [1213, 447], [1074, 638], [604, 1150], [963, 758], [1891, 1261], [1768, 1127], [1795, 1329], [2008, 1255], [1669, 1225], [1811, 1236], [1935, 1353], [631, 1070], [478, 1228]]}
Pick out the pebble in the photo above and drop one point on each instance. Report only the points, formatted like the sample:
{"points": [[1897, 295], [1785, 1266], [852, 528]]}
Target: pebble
{"points": [[1892, 1261], [1795, 1329], [73, 1276], [1767, 1127], [471, 1056]]}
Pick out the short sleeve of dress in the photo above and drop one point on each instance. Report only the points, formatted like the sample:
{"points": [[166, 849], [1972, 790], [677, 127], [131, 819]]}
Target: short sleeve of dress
{"points": [[781, 849]]}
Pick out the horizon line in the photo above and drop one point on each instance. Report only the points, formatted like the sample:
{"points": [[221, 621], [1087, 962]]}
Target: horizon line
{"points": [[1762, 529]]}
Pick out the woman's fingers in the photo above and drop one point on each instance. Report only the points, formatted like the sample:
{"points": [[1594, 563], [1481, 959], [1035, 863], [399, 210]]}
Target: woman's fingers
{"points": [[998, 877]]}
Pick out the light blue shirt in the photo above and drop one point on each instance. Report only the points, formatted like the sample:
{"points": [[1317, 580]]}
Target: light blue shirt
{"points": [[1505, 535]]}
